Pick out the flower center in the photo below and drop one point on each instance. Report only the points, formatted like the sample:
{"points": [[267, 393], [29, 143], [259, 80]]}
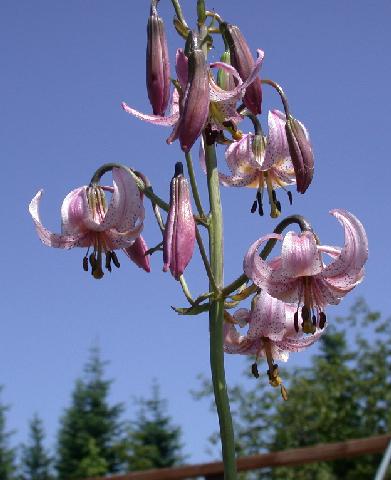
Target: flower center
{"points": [[312, 313]]}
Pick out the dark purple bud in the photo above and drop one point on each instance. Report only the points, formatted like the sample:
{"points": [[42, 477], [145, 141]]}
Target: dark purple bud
{"points": [[179, 234], [136, 252], [243, 61], [158, 67], [301, 153], [195, 102]]}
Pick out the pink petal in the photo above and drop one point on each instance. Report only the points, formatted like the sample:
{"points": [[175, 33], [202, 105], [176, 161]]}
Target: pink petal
{"points": [[236, 343], [168, 121], [136, 252], [181, 67], [242, 317], [347, 268], [47, 237], [74, 211], [268, 318], [300, 256], [277, 148]]}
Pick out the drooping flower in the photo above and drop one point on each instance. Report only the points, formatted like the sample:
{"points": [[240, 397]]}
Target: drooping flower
{"points": [[87, 222], [221, 104], [179, 233], [300, 276], [271, 333], [243, 62], [261, 163], [157, 63]]}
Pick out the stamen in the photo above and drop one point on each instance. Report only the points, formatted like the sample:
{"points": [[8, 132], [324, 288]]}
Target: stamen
{"points": [[85, 263], [322, 320], [296, 321], [254, 370], [254, 207], [115, 259], [314, 320], [259, 198], [284, 392], [108, 261], [92, 260], [290, 197]]}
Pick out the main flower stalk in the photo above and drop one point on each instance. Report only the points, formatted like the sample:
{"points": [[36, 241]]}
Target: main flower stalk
{"points": [[216, 316]]}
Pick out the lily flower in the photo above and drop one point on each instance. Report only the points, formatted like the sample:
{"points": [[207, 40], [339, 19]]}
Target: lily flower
{"points": [[87, 222], [221, 103], [179, 233], [300, 276], [261, 163], [271, 334]]}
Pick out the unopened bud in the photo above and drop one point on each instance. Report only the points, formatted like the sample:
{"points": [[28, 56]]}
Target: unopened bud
{"points": [[243, 61], [301, 153], [179, 234], [158, 67], [224, 79]]}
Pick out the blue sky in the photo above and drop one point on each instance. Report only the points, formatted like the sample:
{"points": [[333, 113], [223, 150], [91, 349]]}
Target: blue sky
{"points": [[65, 68]]}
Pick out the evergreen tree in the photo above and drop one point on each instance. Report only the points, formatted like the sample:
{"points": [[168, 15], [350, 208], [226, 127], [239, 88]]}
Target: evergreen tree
{"points": [[35, 462], [7, 453], [90, 427], [343, 393], [153, 442]]}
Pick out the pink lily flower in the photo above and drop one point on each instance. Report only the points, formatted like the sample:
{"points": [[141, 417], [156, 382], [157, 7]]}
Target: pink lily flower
{"points": [[261, 163], [300, 276], [87, 222], [271, 334], [222, 103]]}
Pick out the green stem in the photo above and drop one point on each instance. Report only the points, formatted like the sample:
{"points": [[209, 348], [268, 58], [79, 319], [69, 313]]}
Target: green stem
{"points": [[280, 92], [216, 317], [193, 183], [178, 11]]}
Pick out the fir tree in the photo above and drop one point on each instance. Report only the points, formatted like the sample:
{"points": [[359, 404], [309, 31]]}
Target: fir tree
{"points": [[7, 453], [90, 427], [35, 462], [153, 442]]}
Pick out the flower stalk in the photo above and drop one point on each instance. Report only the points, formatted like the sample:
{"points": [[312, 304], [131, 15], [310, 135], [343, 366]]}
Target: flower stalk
{"points": [[216, 316]]}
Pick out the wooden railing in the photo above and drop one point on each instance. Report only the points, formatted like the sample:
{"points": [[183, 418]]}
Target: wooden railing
{"points": [[295, 456]]}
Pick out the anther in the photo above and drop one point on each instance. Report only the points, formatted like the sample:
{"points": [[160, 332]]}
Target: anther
{"points": [[290, 198], [296, 321], [92, 260], [254, 370], [260, 209], [254, 207], [314, 320], [284, 392], [274, 196], [108, 261], [305, 313], [85, 263], [278, 205], [322, 320], [115, 259]]}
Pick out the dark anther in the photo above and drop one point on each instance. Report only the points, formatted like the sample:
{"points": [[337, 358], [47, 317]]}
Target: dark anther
{"points": [[278, 205], [115, 259], [254, 370], [108, 261], [296, 321], [85, 263], [305, 313], [290, 197], [259, 198], [314, 320], [260, 209], [274, 196], [274, 373], [229, 124], [254, 206], [210, 135], [92, 260], [322, 320]]}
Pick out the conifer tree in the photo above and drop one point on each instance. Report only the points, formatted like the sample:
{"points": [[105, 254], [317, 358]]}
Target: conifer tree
{"points": [[7, 453], [153, 441], [35, 462], [90, 427]]}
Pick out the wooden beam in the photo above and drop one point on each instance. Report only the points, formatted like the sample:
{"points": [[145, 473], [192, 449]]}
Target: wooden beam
{"points": [[295, 456]]}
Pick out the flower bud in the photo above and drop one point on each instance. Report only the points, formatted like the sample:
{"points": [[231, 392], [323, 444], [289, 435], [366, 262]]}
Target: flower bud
{"points": [[179, 234], [195, 102], [243, 61], [137, 253], [225, 80], [158, 67], [301, 153]]}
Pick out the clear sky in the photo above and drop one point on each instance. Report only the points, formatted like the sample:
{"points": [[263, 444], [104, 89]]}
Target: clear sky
{"points": [[65, 68]]}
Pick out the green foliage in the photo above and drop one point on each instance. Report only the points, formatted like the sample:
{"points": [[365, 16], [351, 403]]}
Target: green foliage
{"points": [[152, 441], [90, 427], [35, 461], [7, 454], [343, 393]]}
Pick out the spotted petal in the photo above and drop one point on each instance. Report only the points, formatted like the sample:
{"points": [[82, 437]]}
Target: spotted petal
{"points": [[300, 256], [268, 318]]}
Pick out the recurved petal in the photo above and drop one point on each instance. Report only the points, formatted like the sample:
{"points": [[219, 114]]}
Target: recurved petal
{"points": [[349, 263], [300, 256], [236, 343], [137, 253], [277, 148], [167, 121], [74, 211], [47, 237], [268, 318]]}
